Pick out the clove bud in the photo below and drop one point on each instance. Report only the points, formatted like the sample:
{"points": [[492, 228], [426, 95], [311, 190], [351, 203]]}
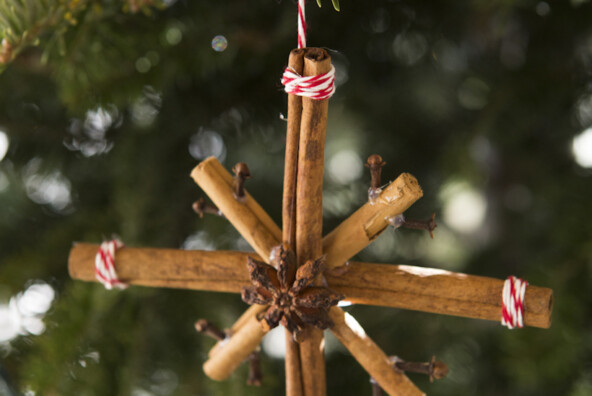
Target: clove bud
{"points": [[428, 225], [435, 369], [206, 327], [242, 173], [201, 207], [375, 164]]}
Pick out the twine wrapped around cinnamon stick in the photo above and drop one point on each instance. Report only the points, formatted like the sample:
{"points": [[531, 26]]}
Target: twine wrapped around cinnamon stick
{"points": [[397, 286]]}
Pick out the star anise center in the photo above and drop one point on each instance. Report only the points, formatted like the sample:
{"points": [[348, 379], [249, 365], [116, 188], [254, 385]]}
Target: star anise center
{"points": [[293, 299]]}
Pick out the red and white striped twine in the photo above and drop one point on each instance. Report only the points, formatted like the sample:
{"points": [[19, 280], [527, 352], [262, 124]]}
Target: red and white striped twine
{"points": [[317, 87], [513, 302], [105, 264], [301, 25]]}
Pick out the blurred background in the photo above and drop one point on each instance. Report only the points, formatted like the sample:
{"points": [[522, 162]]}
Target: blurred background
{"points": [[106, 106]]}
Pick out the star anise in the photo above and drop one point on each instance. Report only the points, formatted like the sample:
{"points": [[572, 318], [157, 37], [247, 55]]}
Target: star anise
{"points": [[293, 300]]}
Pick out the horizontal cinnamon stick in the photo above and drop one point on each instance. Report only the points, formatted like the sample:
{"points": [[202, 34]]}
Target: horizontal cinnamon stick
{"points": [[368, 222], [398, 286], [247, 216], [222, 271], [236, 349], [349, 332], [437, 291]]}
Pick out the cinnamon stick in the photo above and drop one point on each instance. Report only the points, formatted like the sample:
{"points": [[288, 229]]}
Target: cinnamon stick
{"points": [[250, 220], [292, 358], [368, 222], [296, 63], [437, 291], [293, 366], [249, 314], [349, 332], [223, 271], [397, 286], [236, 349], [309, 211]]}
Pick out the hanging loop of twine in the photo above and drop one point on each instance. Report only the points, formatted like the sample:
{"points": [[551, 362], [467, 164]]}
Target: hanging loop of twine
{"points": [[105, 264], [513, 302], [301, 25]]}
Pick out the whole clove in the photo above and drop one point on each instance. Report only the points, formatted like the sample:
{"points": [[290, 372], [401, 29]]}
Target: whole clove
{"points": [[434, 368], [242, 173], [201, 207], [206, 327]]}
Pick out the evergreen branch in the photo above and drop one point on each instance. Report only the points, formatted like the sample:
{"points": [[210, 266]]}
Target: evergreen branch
{"points": [[335, 4]]}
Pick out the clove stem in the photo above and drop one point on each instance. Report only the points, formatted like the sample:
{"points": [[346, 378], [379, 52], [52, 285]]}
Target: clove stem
{"points": [[428, 225], [208, 328], [255, 374], [434, 369]]}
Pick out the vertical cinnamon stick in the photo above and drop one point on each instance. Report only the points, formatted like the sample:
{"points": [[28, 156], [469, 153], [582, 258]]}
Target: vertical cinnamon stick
{"points": [[296, 63], [309, 211], [292, 359]]}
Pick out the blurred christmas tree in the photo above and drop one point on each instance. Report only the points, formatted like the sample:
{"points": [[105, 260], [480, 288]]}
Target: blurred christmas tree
{"points": [[105, 107]]}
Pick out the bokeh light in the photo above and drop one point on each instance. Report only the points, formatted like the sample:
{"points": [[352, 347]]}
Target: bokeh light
{"points": [[464, 207], [581, 148], [219, 43], [4, 143]]}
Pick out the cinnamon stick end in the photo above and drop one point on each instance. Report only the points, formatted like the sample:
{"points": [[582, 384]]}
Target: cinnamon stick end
{"points": [[316, 54], [412, 184]]}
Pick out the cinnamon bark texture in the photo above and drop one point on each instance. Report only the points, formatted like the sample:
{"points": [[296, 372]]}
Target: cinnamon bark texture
{"points": [[349, 332], [236, 349], [296, 63], [292, 358], [368, 222], [253, 223], [309, 211], [437, 291], [398, 286]]}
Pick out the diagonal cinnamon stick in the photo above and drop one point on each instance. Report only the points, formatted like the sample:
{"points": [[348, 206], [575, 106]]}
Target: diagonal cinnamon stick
{"points": [[247, 216], [349, 332], [236, 349], [309, 211], [368, 222], [292, 358]]}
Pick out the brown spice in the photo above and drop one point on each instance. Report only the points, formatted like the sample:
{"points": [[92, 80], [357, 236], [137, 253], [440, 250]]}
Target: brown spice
{"points": [[210, 329], [201, 207], [255, 374], [242, 173], [434, 369], [375, 164], [293, 301]]}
